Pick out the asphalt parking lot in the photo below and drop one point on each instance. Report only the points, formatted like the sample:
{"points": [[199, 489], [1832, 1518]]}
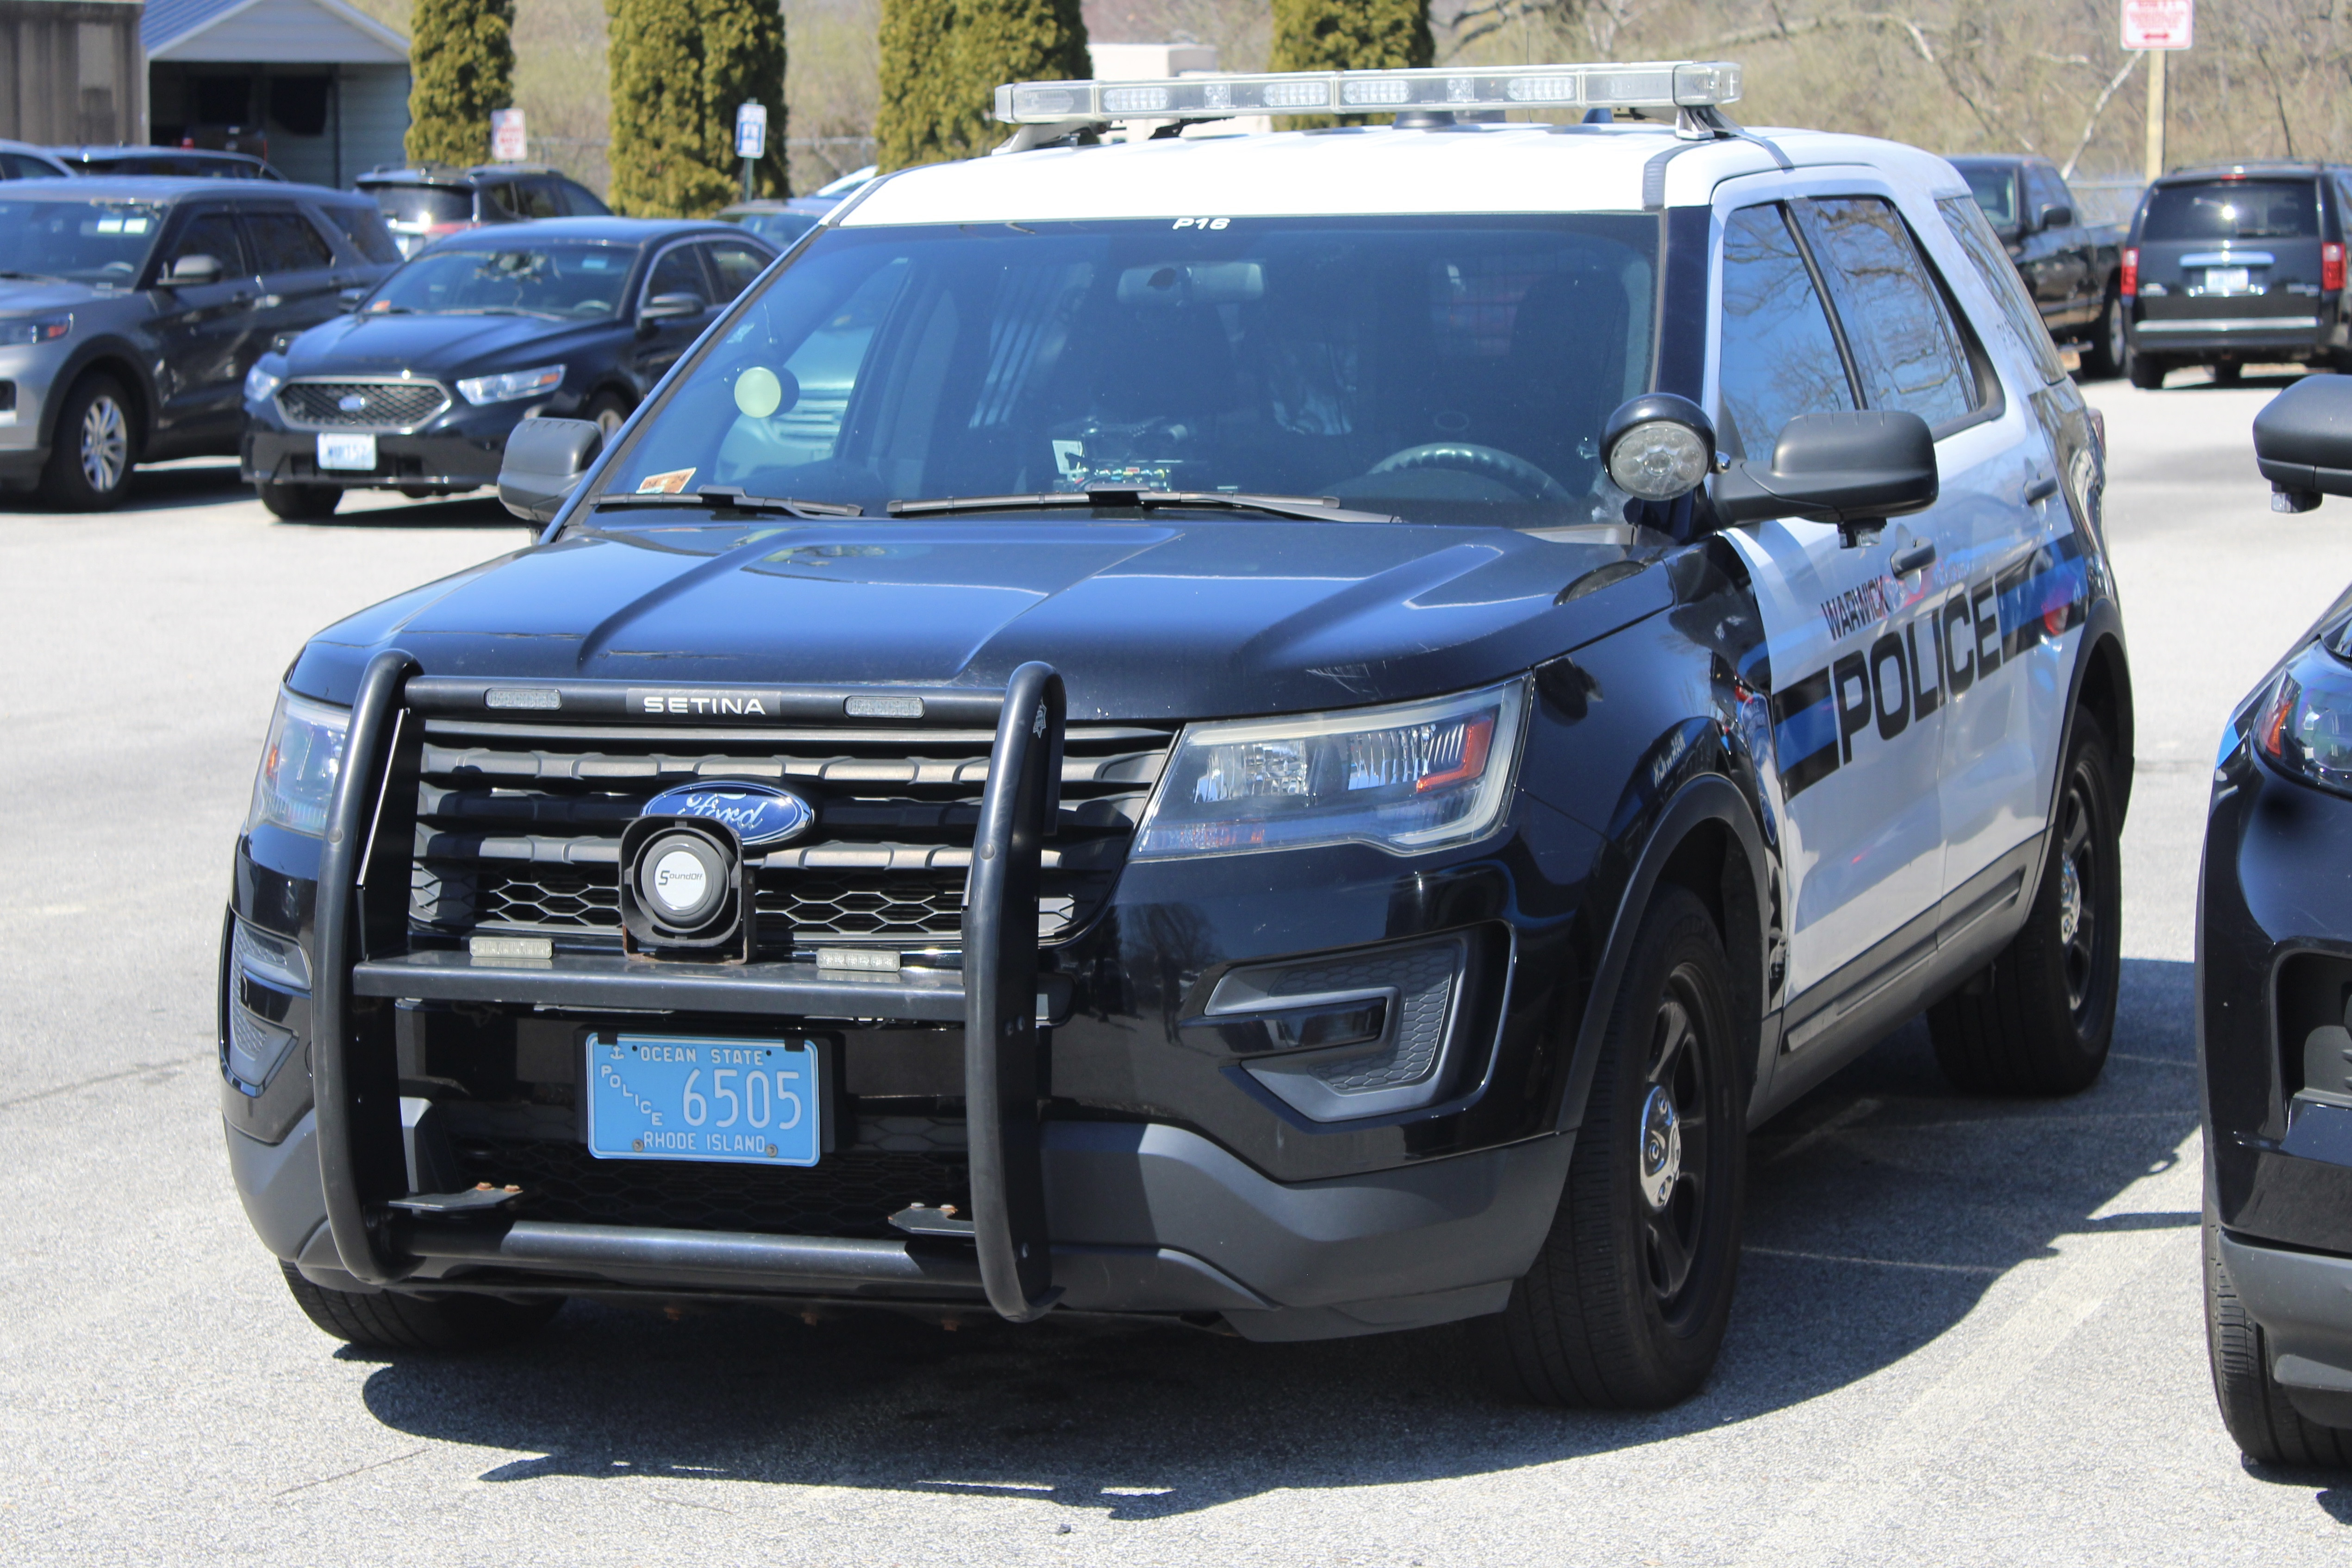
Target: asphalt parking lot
{"points": [[1967, 1331]]}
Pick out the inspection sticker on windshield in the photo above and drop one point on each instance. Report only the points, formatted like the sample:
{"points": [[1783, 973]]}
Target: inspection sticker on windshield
{"points": [[346, 451], [686, 1097], [669, 484]]}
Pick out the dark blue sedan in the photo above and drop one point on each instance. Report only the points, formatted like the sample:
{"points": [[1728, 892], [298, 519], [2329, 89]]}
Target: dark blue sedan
{"points": [[417, 386]]}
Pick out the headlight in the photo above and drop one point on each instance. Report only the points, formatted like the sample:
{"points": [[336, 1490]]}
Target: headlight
{"points": [[35, 330], [259, 382], [1406, 779], [511, 384], [2304, 725], [299, 764]]}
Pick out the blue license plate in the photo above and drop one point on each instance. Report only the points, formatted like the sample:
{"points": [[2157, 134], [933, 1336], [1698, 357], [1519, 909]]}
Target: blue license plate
{"points": [[684, 1097]]}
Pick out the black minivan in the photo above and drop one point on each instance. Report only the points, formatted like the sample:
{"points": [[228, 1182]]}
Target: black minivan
{"points": [[2226, 265]]}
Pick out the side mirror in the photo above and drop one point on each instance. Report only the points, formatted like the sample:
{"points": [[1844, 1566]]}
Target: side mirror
{"points": [[349, 298], [195, 271], [543, 462], [671, 308], [1854, 468], [2057, 214], [2303, 442]]}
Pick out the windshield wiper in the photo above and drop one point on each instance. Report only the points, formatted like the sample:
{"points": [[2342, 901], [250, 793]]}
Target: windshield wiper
{"points": [[1317, 509], [733, 500]]}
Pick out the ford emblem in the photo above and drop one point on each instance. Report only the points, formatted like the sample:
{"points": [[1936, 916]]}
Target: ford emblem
{"points": [[759, 813], [351, 403]]}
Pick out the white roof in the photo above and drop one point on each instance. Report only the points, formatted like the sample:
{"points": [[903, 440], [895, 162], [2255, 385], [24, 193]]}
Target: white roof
{"points": [[1485, 169]]}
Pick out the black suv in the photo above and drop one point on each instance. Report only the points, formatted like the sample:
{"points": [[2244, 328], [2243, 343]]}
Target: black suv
{"points": [[421, 202], [2237, 264]]}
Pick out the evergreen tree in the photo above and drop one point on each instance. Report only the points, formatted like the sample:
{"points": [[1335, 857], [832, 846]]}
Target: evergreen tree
{"points": [[1350, 34], [680, 67], [463, 57], [943, 61]]}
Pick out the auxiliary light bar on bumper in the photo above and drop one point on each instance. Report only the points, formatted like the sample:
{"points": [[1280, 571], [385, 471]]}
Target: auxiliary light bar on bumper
{"points": [[361, 960]]}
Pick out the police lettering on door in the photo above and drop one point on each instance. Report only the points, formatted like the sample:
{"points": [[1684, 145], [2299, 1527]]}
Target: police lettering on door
{"points": [[1932, 645]]}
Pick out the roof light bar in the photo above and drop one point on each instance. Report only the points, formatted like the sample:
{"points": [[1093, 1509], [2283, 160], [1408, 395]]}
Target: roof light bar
{"points": [[1657, 84]]}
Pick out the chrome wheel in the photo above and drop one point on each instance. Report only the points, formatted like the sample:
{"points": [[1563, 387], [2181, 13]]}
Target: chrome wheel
{"points": [[105, 444], [1671, 1152]]}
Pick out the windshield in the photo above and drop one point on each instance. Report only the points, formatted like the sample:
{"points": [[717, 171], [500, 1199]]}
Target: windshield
{"points": [[1996, 192], [2234, 209], [584, 280], [101, 242], [1448, 369]]}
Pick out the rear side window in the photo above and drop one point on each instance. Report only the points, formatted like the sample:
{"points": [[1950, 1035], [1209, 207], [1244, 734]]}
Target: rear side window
{"points": [[2043, 188], [363, 226], [424, 204], [1904, 347], [285, 242], [1779, 358], [734, 264], [538, 198], [678, 272], [2234, 209], [1969, 226], [582, 202]]}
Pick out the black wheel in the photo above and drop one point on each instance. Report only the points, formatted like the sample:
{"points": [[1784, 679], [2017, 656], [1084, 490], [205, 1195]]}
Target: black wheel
{"points": [[392, 1322], [93, 448], [2227, 373], [1628, 1301], [2105, 357], [300, 503], [2266, 1427], [2147, 372], [610, 411], [2036, 1020]]}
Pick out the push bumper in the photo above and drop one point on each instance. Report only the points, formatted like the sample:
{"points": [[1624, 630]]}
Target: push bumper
{"points": [[2304, 1302]]}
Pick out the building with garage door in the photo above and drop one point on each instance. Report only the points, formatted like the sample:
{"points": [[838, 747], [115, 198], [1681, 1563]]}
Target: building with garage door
{"points": [[325, 87]]}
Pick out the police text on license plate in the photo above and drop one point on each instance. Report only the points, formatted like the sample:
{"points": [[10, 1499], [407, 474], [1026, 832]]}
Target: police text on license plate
{"points": [[346, 451], [688, 1097]]}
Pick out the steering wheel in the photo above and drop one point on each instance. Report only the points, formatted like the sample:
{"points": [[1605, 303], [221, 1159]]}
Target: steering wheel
{"points": [[1495, 464], [118, 267]]}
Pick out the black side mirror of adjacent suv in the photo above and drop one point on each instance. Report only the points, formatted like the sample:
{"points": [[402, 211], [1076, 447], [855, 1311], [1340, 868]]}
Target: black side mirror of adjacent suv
{"points": [[543, 462], [670, 307], [2057, 214], [195, 271], [2303, 442], [1855, 469], [349, 298]]}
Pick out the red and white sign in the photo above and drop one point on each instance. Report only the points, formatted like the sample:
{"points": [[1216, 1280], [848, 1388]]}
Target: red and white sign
{"points": [[510, 144], [2159, 24]]}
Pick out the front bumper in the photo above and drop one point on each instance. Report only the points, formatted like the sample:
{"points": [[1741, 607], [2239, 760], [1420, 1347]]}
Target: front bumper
{"points": [[459, 448], [2304, 1302]]}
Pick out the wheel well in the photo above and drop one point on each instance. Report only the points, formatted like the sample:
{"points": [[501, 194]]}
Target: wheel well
{"points": [[133, 389], [2105, 695], [1711, 864]]}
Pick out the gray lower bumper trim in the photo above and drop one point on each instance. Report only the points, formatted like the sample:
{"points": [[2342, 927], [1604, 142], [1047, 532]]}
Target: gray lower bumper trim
{"points": [[2304, 1302], [2234, 324]]}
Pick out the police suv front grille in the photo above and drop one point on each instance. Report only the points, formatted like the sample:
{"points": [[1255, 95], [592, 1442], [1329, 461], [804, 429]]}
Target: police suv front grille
{"points": [[388, 405], [519, 827], [848, 1192]]}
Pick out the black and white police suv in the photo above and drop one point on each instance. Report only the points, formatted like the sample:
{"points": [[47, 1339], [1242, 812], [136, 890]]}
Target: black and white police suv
{"points": [[1295, 732]]}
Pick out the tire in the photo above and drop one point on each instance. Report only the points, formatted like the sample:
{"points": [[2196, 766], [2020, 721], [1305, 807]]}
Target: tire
{"points": [[93, 446], [391, 1322], [300, 503], [610, 411], [2105, 357], [2262, 1422], [1626, 1306], [2037, 1019], [2147, 372]]}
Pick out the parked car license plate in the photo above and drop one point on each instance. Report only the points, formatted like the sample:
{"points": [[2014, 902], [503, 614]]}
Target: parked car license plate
{"points": [[347, 451], [2225, 279], [686, 1097]]}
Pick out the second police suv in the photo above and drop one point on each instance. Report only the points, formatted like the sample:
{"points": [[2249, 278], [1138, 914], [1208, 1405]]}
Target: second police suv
{"points": [[1298, 732]]}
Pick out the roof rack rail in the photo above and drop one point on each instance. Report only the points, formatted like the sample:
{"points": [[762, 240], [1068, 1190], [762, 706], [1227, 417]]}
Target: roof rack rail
{"points": [[1673, 85]]}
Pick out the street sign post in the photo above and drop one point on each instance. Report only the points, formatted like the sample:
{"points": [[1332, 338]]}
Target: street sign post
{"points": [[509, 143], [751, 138], [2158, 26]]}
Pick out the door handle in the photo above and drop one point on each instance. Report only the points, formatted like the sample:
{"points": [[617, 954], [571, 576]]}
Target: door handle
{"points": [[2041, 489], [1916, 556]]}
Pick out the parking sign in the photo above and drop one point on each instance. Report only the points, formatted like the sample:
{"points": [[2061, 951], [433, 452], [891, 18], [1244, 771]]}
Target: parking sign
{"points": [[2159, 24], [509, 143], [751, 130]]}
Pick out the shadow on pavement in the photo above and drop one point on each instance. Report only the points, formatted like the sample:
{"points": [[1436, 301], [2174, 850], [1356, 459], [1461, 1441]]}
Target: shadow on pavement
{"points": [[1881, 1209]]}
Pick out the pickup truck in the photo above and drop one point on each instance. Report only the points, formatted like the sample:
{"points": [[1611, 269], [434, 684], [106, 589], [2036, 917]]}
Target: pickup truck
{"points": [[2072, 268]]}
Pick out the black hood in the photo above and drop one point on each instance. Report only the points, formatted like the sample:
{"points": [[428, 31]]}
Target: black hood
{"points": [[1158, 619], [453, 343]]}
